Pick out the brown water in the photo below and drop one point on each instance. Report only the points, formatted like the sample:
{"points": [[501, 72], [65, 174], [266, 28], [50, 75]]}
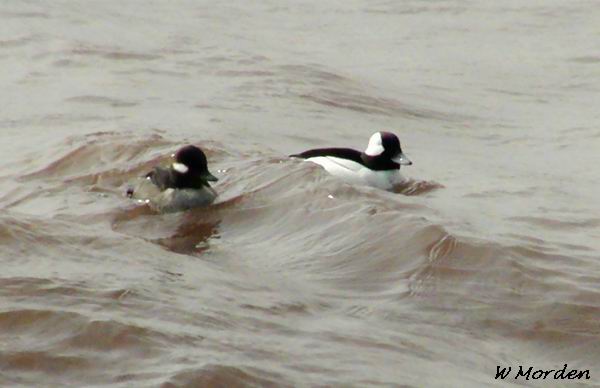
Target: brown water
{"points": [[489, 256]]}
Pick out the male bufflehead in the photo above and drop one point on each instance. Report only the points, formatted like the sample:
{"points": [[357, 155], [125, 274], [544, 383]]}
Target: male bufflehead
{"points": [[378, 166], [183, 185]]}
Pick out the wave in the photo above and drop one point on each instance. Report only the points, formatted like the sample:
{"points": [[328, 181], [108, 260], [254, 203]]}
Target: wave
{"points": [[218, 375], [285, 242]]}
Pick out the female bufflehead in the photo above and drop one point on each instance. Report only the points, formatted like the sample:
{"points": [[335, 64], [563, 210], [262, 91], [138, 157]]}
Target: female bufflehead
{"points": [[378, 166], [183, 185]]}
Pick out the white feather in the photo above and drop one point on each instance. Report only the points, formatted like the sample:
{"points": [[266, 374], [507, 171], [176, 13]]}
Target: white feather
{"points": [[353, 172], [180, 167], [375, 146]]}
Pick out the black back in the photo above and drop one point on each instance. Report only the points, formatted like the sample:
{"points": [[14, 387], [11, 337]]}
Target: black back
{"points": [[342, 153]]}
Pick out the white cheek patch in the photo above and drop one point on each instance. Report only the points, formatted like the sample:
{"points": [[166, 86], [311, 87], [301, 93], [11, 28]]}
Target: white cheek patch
{"points": [[375, 147], [180, 168]]}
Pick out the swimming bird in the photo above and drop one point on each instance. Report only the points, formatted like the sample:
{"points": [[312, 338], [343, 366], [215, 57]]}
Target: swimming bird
{"points": [[378, 166], [182, 185]]}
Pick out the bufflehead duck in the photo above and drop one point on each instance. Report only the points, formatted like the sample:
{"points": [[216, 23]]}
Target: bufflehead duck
{"points": [[183, 185], [378, 166]]}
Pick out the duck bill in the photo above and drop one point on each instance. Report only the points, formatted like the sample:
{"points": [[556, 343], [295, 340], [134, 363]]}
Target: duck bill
{"points": [[207, 176], [402, 160]]}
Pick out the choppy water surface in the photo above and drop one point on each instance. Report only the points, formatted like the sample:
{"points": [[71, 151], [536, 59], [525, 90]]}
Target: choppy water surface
{"points": [[488, 256]]}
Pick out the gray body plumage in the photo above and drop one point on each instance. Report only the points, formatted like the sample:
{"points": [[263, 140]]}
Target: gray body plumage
{"points": [[172, 200]]}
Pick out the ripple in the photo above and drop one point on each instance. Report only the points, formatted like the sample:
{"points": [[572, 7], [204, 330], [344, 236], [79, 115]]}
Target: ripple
{"points": [[115, 55], [588, 59], [45, 362], [17, 42], [101, 100], [415, 187]]}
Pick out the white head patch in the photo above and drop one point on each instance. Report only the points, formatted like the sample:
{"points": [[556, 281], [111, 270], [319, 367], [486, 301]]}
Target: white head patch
{"points": [[375, 146], [180, 168]]}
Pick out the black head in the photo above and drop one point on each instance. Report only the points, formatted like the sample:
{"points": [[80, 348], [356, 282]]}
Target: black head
{"points": [[191, 166], [385, 147]]}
